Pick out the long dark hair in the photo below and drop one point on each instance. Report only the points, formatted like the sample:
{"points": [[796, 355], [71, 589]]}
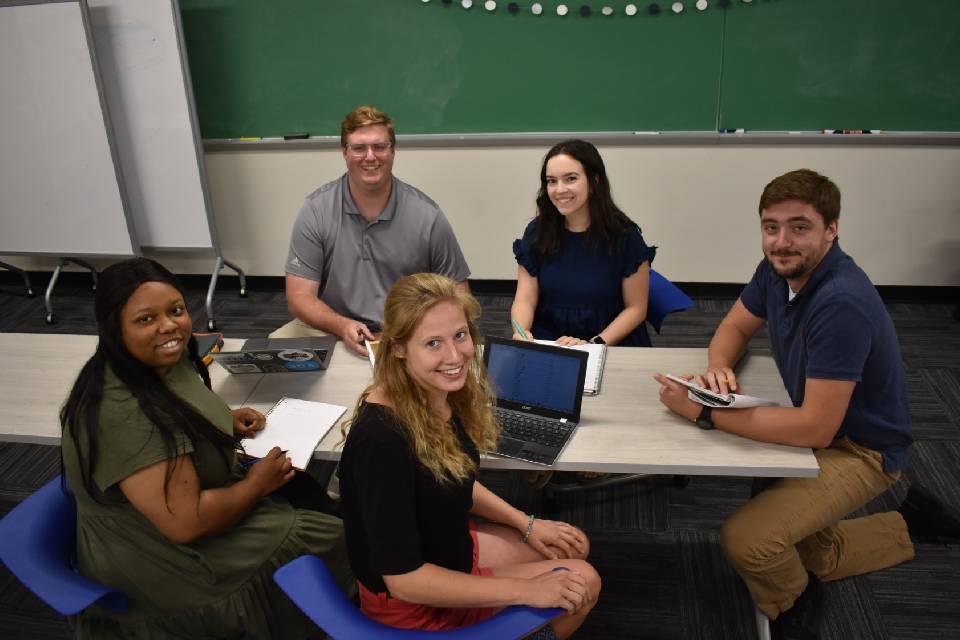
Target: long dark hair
{"points": [[168, 412], [608, 224]]}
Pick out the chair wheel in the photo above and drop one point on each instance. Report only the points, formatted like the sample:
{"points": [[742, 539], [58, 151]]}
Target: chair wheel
{"points": [[51, 318], [30, 293], [211, 325]]}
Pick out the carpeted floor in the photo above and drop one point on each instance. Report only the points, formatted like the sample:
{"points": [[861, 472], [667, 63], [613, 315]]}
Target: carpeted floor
{"points": [[654, 544]]}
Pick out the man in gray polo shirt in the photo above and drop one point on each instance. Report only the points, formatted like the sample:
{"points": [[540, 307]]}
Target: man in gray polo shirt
{"points": [[356, 236]]}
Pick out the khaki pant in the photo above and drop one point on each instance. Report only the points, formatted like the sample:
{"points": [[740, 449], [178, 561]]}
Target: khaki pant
{"points": [[297, 328], [796, 525]]}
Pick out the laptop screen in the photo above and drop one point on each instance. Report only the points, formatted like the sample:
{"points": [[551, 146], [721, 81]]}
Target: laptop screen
{"points": [[529, 376]]}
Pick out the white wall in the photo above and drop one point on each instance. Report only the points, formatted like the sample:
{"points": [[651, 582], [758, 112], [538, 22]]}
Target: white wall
{"points": [[900, 218]]}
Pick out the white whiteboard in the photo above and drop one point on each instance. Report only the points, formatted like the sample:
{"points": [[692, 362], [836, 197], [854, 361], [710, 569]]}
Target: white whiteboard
{"points": [[60, 192], [138, 44]]}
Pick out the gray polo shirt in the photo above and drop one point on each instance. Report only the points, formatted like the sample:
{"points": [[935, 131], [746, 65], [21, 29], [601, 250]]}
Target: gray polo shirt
{"points": [[357, 262]]}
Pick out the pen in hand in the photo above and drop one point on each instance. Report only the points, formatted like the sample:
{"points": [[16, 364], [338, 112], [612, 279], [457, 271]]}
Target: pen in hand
{"points": [[516, 325], [246, 464]]}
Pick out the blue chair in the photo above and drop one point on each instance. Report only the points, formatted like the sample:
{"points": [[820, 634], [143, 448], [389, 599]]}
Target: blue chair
{"points": [[38, 544], [664, 298], [309, 584]]}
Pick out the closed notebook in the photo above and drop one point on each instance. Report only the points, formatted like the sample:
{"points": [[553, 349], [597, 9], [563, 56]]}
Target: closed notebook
{"points": [[597, 359], [720, 400], [297, 427]]}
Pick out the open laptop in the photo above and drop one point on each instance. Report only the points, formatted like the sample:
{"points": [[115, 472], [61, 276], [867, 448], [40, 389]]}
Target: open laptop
{"points": [[538, 392], [278, 355]]}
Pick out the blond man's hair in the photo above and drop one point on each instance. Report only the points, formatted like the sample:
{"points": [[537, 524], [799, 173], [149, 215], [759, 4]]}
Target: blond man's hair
{"points": [[365, 116]]}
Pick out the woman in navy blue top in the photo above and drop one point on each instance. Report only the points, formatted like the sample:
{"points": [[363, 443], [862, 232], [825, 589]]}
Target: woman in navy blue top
{"points": [[584, 268]]}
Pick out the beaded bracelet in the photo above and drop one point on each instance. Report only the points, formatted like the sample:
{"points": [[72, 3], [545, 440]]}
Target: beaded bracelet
{"points": [[526, 536]]}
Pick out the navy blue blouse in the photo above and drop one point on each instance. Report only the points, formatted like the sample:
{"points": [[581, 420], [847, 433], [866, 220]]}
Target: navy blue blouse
{"points": [[581, 288]]}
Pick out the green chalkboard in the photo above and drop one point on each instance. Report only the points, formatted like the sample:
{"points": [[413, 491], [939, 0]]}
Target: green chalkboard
{"points": [[269, 68], [843, 64]]}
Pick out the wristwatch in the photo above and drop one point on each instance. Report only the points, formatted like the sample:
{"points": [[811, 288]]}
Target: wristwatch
{"points": [[598, 340], [704, 420]]}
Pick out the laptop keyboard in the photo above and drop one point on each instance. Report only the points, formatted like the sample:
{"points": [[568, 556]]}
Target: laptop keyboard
{"points": [[520, 426]]}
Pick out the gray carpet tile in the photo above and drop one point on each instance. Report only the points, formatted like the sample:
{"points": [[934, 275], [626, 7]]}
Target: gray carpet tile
{"points": [[934, 403], [641, 587], [714, 604], [24, 617], [14, 309], [24, 468], [936, 465], [944, 384], [254, 316], [851, 611], [638, 505], [707, 501], [918, 600]]}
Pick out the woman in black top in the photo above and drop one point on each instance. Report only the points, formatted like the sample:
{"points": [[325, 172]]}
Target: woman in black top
{"points": [[408, 482]]}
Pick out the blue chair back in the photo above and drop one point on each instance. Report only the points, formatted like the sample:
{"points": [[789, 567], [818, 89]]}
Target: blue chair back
{"points": [[664, 298], [38, 544], [309, 584]]}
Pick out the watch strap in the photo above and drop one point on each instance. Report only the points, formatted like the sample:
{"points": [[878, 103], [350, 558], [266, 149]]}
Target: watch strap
{"points": [[705, 419]]}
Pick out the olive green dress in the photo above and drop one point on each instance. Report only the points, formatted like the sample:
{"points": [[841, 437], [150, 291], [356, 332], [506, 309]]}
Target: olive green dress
{"points": [[218, 587]]}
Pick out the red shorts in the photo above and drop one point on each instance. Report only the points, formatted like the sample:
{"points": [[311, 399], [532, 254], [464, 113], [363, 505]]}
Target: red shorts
{"points": [[407, 615]]}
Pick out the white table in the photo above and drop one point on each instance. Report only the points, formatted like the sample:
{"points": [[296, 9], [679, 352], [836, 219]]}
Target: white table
{"points": [[39, 370], [624, 429]]}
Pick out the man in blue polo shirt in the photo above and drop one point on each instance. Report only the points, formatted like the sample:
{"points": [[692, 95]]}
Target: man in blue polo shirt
{"points": [[837, 352]]}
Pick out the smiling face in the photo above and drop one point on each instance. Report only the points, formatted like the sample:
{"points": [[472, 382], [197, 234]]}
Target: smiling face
{"points": [[369, 170], [439, 351], [569, 190], [795, 239], [155, 325]]}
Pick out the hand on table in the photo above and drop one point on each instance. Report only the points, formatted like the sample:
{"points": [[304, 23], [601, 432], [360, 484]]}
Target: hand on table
{"points": [[569, 341], [247, 422], [556, 540], [674, 396]]}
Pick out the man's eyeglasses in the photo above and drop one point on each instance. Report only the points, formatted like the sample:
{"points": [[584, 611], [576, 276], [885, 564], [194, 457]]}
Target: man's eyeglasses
{"points": [[360, 150]]}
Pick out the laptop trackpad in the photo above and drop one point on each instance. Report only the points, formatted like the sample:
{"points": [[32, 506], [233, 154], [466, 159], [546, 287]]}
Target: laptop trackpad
{"points": [[509, 446]]}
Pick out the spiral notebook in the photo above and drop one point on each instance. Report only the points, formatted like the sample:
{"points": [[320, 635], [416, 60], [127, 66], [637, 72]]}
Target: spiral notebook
{"points": [[297, 427], [597, 358]]}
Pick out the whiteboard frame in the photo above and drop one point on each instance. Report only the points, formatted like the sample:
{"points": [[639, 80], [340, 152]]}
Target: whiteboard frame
{"points": [[134, 247], [126, 89]]}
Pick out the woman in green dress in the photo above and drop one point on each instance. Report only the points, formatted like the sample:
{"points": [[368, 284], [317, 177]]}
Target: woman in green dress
{"points": [[165, 513]]}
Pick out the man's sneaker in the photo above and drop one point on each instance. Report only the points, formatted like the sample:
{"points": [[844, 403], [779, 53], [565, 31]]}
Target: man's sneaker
{"points": [[802, 620], [928, 519]]}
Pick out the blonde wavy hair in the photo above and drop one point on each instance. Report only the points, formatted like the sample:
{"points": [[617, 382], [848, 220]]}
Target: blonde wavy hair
{"points": [[433, 442]]}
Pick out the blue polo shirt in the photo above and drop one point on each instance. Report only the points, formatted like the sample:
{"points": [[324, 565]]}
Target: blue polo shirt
{"points": [[836, 328]]}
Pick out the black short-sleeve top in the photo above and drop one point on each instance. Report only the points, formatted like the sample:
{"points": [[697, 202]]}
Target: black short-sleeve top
{"points": [[397, 516]]}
